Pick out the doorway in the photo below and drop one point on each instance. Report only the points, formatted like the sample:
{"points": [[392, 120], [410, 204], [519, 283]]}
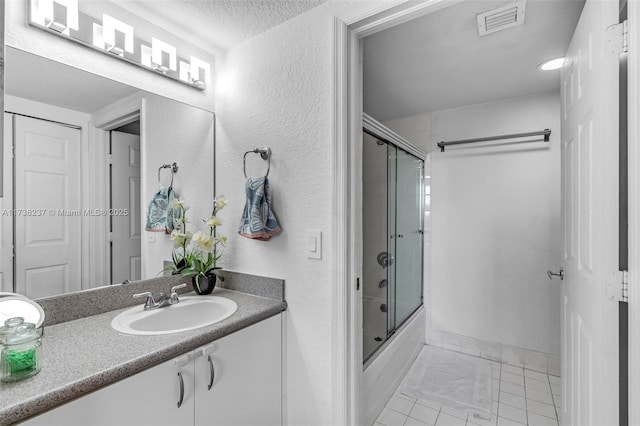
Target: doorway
{"points": [[125, 202], [350, 35]]}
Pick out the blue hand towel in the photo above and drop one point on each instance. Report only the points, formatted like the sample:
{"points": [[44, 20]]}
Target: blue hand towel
{"points": [[160, 217], [258, 220]]}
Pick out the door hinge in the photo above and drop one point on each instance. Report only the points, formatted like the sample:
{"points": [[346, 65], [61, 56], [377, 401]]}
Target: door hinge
{"points": [[618, 286], [109, 159], [110, 237], [617, 38]]}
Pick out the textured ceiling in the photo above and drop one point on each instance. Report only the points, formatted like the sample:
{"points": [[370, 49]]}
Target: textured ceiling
{"points": [[219, 23], [439, 62]]}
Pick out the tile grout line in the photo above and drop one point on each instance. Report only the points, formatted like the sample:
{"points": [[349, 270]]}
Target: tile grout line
{"points": [[526, 403]]}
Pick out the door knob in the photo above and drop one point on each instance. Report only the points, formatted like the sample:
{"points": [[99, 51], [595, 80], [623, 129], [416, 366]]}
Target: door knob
{"points": [[560, 274]]}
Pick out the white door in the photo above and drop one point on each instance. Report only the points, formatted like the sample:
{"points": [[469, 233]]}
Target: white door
{"points": [[126, 224], [590, 213], [47, 207]]}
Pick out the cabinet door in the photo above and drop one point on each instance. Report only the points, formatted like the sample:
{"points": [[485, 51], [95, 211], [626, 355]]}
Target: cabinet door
{"points": [[147, 398], [247, 378]]}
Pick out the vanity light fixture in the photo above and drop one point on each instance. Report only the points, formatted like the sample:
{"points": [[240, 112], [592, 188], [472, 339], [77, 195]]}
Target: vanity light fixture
{"points": [[552, 64], [117, 38], [59, 15]]}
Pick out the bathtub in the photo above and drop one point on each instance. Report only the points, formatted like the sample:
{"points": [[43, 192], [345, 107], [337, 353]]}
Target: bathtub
{"points": [[384, 371]]}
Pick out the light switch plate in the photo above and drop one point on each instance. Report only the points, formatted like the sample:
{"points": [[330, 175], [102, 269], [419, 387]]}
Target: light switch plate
{"points": [[313, 243]]}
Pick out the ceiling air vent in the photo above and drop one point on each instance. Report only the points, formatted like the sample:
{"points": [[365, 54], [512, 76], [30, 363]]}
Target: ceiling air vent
{"points": [[501, 18]]}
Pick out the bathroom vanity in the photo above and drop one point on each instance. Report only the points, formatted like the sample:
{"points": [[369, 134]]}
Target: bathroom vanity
{"points": [[227, 373]]}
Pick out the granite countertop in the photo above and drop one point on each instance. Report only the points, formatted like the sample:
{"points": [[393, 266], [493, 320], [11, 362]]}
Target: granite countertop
{"points": [[86, 354]]}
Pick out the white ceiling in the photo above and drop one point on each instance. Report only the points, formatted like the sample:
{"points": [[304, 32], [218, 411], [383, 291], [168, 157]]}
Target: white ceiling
{"points": [[217, 23], [439, 62]]}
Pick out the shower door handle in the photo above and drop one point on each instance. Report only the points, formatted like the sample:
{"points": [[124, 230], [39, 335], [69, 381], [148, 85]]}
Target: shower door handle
{"points": [[560, 274], [384, 259]]}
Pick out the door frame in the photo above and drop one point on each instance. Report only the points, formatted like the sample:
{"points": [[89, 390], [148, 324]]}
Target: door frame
{"points": [[633, 159], [346, 334], [120, 113]]}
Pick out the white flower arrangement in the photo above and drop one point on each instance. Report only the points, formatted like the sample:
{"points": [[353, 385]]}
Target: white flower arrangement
{"points": [[196, 254]]}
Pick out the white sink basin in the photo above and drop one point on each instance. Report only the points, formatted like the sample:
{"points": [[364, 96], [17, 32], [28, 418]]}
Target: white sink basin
{"points": [[190, 313]]}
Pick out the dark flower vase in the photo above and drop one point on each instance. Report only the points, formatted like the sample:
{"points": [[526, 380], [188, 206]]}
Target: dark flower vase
{"points": [[204, 285]]}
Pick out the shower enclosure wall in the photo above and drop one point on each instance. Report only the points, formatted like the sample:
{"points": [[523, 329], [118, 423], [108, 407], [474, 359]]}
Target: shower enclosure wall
{"points": [[392, 200]]}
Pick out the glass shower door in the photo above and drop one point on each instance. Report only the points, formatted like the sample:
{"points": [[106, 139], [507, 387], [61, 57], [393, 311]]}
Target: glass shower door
{"points": [[392, 214], [374, 244], [409, 236]]}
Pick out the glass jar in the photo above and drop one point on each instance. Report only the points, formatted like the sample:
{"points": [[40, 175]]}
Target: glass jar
{"points": [[20, 357]]}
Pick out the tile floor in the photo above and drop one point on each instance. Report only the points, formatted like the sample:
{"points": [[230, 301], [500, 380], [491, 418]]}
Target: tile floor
{"points": [[520, 397]]}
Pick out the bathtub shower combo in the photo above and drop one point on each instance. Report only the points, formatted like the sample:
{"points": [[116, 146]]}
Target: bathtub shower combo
{"points": [[393, 206]]}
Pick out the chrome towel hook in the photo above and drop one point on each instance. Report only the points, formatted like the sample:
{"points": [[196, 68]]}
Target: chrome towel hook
{"points": [[265, 154]]}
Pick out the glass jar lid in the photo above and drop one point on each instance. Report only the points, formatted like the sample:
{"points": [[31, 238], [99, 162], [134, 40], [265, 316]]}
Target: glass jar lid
{"points": [[15, 330]]}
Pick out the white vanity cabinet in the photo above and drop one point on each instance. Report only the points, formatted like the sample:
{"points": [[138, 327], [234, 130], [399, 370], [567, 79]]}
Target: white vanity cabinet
{"points": [[246, 368], [147, 398]]}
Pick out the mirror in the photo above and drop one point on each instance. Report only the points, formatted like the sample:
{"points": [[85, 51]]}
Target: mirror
{"points": [[87, 160]]}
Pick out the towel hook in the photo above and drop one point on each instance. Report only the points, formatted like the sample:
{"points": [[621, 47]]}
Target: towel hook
{"points": [[265, 154], [174, 169]]}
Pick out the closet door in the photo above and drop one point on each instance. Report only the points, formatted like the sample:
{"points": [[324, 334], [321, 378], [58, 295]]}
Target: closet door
{"points": [[408, 235], [47, 202]]}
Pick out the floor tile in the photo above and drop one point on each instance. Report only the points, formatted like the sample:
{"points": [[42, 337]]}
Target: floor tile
{"points": [[478, 421], [541, 408], [554, 380], [507, 422], [512, 413], [539, 396], [378, 424], [535, 420], [400, 405], [537, 385], [430, 404], [513, 400], [391, 418], [413, 422], [453, 412], [512, 378], [530, 374], [445, 419], [424, 414], [403, 396], [506, 368], [512, 388]]}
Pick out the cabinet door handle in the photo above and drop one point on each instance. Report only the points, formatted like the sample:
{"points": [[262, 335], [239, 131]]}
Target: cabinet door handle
{"points": [[181, 389], [212, 372]]}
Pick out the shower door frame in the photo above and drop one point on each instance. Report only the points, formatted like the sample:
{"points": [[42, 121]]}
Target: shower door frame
{"points": [[381, 132]]}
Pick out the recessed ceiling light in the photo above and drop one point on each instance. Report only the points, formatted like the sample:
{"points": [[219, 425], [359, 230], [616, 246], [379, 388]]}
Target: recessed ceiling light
{"points": [[552, 64]]}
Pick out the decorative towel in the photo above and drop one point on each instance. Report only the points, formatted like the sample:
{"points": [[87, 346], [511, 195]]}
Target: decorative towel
{"points": [[258, 221], [160, 216]]}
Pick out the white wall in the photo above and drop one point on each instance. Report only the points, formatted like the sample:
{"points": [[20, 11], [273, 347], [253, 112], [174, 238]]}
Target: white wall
{"points": [[277, 91], [175, 132], [415, 128], [496, 225]]}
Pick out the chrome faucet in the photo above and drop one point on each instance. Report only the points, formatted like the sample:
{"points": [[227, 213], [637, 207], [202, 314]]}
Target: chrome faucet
{"points": [[163, 299]]}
